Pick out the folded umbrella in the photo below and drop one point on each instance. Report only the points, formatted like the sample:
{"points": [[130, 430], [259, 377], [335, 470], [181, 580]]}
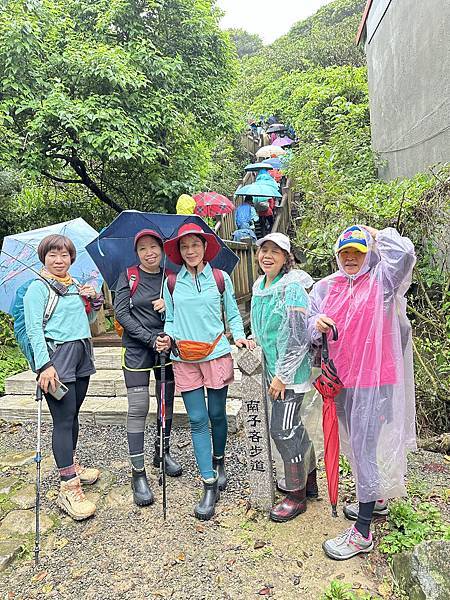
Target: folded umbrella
{"points": [[211, 204], [283, 141], [329, 385], [20, 263], [113, 250], [269, 151]]}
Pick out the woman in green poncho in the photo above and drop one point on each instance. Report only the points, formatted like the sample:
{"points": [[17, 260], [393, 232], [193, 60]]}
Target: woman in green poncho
{"points": [[278, 316]]}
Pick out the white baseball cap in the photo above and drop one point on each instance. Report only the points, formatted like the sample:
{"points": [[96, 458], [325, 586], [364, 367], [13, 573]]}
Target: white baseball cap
{"points": [[279, 239]]}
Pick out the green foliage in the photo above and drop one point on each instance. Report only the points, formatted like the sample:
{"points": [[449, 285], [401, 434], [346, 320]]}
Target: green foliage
{"points": [[324, 40], [408, 526], [124, 98], [12, 361], [338, 590], [6, 330], [246, 43], [345, 469]]}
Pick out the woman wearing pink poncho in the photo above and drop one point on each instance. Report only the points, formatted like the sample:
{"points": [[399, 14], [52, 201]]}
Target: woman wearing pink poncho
{"points": [[365, 299]]}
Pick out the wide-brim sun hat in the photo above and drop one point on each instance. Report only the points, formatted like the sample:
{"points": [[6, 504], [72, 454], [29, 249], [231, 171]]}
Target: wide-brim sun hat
{"points": [[352, 237], [279, 239], [172, 250], [145, 232]]}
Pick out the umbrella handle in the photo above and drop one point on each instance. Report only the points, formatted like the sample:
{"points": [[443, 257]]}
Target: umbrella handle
{"points": [[325, 354]]}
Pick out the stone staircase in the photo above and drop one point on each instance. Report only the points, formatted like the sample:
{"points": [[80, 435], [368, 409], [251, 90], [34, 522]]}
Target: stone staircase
{"points": [[106, 401]]}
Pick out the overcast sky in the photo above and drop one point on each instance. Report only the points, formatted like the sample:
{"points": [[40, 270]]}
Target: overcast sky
{"points": [[269, 18]]}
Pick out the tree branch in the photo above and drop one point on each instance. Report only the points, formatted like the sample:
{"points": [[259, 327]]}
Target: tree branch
{"points": [[60, 179]]}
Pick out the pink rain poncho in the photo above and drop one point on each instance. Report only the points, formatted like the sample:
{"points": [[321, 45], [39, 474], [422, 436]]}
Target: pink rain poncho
{"points": [[373, 358]]}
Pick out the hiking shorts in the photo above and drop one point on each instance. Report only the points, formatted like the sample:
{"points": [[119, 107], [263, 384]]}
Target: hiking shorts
{"points": [[73, 360], [214, 374], [137, 362]]}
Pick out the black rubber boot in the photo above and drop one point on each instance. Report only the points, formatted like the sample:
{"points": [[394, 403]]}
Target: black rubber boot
{"points": [[142, 494], [219, 466], [205, 509], [312, 491], [173, 468]]}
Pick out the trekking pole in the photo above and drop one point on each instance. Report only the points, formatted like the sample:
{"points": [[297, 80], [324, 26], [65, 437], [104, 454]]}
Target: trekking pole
{"points": [[162, 434], [37, 460]]}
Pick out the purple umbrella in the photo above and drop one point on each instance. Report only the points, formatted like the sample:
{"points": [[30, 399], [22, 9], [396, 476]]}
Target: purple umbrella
{"points": [[282, 141]]}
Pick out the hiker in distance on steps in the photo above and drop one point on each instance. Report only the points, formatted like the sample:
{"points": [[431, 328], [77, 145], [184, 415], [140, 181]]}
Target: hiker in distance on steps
{"points": [[139, 310], [62, 352], [366, 301], [279, 325], [201, 353]]}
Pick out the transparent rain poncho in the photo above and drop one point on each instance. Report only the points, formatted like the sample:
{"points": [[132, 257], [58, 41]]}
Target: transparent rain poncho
{"points": [[373, 358], [279, 325]]}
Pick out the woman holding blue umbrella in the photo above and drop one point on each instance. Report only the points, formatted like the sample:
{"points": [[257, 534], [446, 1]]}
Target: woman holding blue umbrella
{"points": [[139, 308], [201, 353]]}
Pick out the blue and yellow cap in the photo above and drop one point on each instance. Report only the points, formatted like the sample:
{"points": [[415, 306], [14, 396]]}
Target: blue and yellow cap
{"points": [[352, 237]]}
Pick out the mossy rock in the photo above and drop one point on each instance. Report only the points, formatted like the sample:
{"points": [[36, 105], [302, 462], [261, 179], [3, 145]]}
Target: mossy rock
{"points": [[423, 574]]}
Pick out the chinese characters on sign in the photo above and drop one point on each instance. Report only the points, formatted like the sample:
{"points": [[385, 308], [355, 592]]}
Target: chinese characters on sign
{"points": [[255, 418]]}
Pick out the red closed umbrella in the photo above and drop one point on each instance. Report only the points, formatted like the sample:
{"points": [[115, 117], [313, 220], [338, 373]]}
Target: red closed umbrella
{"points": [[329, 385], [210, 204]]}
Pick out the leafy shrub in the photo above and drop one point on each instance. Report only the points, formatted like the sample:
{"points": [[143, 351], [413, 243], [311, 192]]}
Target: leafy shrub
{"points": [[338, 590], [12, 361], [409, 526]]}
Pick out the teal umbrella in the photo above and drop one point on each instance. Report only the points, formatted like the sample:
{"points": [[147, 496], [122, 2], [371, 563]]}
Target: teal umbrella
{"points": [[259, 166], [258, 189]]}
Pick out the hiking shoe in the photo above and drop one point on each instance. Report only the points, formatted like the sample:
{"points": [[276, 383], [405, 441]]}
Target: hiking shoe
{"points": [[348, 544], [87, 475], [71, 499], [381, 510]]}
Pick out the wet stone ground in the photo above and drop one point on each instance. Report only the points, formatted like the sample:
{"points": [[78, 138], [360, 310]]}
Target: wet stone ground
{"points": [[126, 552]]}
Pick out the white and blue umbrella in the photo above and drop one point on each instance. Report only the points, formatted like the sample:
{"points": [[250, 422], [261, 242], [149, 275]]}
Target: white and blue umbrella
{"points": [[19, 261]]}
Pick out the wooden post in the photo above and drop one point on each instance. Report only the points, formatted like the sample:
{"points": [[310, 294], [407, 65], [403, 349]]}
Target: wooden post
{"points": [[256, 427]]}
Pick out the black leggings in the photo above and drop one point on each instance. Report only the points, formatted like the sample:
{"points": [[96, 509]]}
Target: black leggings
{"points": [[65, 421]]}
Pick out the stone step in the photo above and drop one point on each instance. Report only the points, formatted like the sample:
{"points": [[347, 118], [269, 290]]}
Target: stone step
{"points": [[106, 382], [101, 410]]}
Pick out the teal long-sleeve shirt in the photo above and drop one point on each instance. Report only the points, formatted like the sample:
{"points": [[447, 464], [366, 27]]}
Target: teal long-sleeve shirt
{"points": [[197, 316], [69, 321]]}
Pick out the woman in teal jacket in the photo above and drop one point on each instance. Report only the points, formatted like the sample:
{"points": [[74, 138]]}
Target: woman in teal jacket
{"points": [[278, 316], [62, 352], [195, 328]]}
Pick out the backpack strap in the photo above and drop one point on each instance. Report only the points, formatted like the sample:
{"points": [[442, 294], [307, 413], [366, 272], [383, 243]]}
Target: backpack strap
{"points": [[52, 301], [133, 277], [171, 281], [220, 280], [217, 274]]}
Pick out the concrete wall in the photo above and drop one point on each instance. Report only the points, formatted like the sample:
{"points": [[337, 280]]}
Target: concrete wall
{"points": [[408, 57]]}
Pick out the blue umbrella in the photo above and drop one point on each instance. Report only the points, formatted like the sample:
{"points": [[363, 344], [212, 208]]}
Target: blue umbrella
{"points": [[259, 166], [19, 257], [275, 163], [258, 189], [113, 250]]}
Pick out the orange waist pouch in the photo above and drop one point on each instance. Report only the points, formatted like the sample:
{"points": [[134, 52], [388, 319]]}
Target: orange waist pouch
{"points": [[190, 350]]}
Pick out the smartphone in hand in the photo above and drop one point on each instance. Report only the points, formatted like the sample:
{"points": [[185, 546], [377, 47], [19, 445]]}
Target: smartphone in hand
{"points": [[60, 391]]}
